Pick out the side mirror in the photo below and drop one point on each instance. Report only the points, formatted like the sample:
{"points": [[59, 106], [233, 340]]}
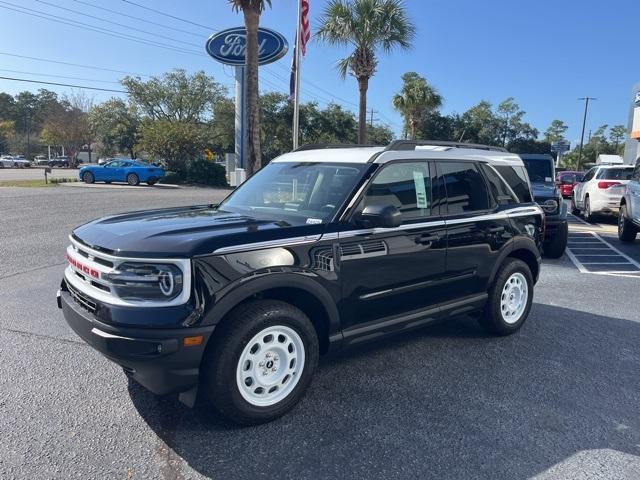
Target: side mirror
{"points": [[380, 216]]}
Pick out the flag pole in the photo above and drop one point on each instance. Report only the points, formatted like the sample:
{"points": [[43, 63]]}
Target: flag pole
{"points": [[296, 96]]}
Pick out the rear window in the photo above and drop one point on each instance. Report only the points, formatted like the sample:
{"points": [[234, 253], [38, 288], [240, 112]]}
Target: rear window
{"points": [[615, 173], [571, 177], [516, 178]]}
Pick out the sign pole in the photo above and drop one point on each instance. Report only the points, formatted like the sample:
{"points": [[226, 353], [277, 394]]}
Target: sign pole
{"points": [[296, 96], [240, 123]]}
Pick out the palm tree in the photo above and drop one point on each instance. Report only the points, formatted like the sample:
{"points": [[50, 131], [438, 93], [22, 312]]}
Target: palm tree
{"points": [[415, 98], [366, 26], [252, 9]]}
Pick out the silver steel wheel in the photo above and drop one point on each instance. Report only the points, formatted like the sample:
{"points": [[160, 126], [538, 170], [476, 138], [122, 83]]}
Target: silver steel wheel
{"points": [[270, 366], [514, 298]]}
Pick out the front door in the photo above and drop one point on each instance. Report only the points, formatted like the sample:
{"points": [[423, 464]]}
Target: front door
{"points": [[390, 276]]}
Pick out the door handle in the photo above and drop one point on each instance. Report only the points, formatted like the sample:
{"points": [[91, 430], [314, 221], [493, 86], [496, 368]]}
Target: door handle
{"points": [[427, 239], [496, 229]]}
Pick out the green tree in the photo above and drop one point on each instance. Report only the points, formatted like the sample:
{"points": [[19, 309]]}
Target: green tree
{"points": [[176, 143], [7, 130], [252, 9], [366, 26], [416, 98], [616, 135], [175, 96], [511, 125], [116, 126], [479, 125], [555, 132]]}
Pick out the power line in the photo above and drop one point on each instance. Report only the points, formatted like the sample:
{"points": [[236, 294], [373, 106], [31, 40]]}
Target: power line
{"points": [[167, 14], [77, 12], [104, 31], [62, 84], [73, 64], [141, 19], [58, 76]]}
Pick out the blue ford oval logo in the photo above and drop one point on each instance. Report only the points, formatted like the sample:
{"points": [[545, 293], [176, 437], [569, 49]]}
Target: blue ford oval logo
{"points": [[229, 46]]}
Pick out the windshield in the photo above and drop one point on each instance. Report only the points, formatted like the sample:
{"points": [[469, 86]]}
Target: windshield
{"points": [[615, 173], [539, 170], [296, 192]]}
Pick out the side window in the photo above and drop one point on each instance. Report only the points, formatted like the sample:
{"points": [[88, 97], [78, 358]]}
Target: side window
{"points": [[636, 171], [406, 186], [589, 175], [465, 187], [500, 191], [517, 179]]}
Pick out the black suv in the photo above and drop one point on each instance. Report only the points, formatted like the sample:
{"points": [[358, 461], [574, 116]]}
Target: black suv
{"points": [[323, 248], [546, 193]]}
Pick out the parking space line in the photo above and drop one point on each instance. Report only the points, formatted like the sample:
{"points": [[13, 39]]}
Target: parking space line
{"points": [[631, 260]]}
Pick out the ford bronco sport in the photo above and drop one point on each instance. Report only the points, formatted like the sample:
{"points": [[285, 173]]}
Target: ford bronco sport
{"points": [[324, 247]]}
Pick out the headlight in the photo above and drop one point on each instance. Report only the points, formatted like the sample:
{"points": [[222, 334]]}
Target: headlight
{"points": [[146, 281], [549, 206]]}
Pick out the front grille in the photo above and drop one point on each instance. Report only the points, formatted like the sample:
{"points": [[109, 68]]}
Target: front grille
{"points": [[81, 299]]}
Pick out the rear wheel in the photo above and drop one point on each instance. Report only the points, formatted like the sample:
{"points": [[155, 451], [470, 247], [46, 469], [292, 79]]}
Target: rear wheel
{"points": [[152, 181], [261, 362], [132, 179], [87, 177], [510, 298], [627, 231], [555, 247], [588, 214]]}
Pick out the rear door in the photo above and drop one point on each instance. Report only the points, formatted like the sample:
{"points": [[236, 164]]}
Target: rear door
{"points": [[477, 229], [390, 275], [580, 189]]}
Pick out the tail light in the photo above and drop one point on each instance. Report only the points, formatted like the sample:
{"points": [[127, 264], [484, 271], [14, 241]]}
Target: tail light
{"points": [[607, 184]]}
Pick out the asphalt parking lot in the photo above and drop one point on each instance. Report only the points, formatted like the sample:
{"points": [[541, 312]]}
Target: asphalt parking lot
{"points": [[558, 400]]}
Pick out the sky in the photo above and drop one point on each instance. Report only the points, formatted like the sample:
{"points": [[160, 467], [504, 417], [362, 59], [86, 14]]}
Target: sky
{"points": [[543, 53]]}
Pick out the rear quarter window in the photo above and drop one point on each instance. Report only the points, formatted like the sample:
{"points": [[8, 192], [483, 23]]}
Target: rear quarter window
{"points": [[516, 177]]}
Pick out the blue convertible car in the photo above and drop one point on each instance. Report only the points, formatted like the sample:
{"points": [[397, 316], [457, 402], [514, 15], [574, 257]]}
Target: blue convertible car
{"points": [[122, 170]]}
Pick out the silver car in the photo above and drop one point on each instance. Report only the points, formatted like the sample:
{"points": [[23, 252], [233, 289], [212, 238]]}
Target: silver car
{"points": [[629, 218]]}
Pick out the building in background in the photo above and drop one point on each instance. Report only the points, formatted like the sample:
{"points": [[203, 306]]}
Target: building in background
{"points": [[632, 147]]}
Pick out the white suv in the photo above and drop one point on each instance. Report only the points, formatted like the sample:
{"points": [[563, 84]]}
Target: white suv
{"points": [[600, 191]]}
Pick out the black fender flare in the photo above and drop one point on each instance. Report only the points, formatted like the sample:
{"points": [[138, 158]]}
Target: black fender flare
{"points": [[517, 243], [245, 288]]}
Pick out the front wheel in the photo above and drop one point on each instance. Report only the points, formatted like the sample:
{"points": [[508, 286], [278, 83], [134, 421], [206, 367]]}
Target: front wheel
{"points": [[132, 179], [509, 299], [260, 362], [555, 247], [627, 231], [87, 177]]}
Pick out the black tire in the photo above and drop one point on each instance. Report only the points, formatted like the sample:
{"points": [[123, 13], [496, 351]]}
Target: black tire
{"points": [[555, 247], [574, 208], [492, 319], [588, 214], [152, 181], [107, 182], [87, 177], [227, 346], [627, 231], [133, 180]]}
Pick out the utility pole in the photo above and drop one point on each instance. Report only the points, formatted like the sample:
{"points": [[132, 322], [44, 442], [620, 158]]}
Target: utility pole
{"points": [[27, 124], [584, 123], [371, 117]]}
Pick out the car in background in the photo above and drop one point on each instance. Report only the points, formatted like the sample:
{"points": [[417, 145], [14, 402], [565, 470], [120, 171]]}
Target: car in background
{"points": [[629, 217], [130, 171], [6, 161], [600, 191], [59, 162], [41, 161], [540, 168], [19, 161], [566, 181]]}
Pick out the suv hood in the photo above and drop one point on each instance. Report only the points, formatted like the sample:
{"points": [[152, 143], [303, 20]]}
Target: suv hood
{"points": [[544, 190], [181, 232]]}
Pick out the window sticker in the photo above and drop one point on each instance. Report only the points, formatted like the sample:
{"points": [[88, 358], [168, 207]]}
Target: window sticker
{"points": [[314, 221], [421, 192]]}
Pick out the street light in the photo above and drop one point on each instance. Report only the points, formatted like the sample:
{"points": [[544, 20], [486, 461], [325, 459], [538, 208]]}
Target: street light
{"points": [[584, 122]]}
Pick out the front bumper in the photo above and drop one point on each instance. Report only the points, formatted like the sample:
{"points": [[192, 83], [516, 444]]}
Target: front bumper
{"points": [[155, 358]]}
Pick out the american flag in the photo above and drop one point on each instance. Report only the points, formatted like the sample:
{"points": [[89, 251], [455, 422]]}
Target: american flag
{"points": [[305, 27]]}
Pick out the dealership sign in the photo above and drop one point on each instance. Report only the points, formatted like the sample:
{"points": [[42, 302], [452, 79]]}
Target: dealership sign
{"points": [[637, 99], [230, 46]]}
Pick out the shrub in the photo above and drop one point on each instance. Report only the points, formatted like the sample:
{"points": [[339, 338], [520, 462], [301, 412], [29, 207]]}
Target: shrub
{"points": [[207, 173]]}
